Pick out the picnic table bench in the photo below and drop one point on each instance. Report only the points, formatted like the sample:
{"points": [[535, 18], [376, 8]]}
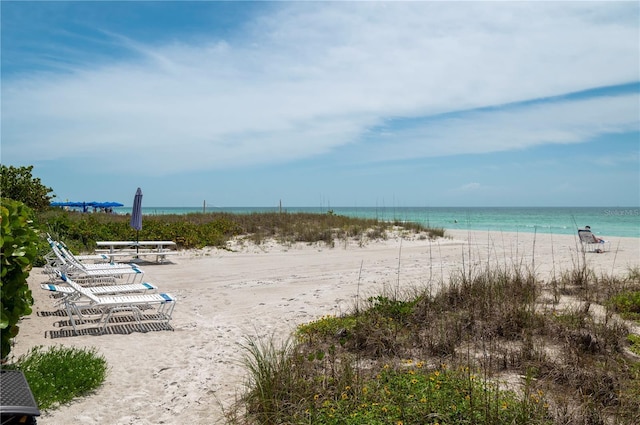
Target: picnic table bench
{"points": [[159, 249]]}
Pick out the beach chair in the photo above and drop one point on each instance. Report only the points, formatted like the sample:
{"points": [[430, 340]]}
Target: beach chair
{"points": [[95, 258], [592, 244], [60, 292], [68, 265], [106, 306], [101, 290], [63, 256], [53, 257], [100, 266]]}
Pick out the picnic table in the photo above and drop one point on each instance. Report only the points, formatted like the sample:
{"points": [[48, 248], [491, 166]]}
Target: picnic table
{"points": [[112, 249], [17, 404]]}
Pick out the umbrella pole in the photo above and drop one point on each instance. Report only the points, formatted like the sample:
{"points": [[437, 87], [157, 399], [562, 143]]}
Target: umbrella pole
{"points": [[137, 245]]}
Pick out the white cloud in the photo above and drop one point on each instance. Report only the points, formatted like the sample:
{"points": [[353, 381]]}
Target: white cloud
{"points": [[470, 187], [313, 77], [560, 122], [614, 160]]}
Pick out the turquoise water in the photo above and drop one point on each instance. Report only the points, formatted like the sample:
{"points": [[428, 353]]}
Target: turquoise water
{"points": [[614, 221]]}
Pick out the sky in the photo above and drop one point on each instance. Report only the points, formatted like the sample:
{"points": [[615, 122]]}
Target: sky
{"points": [[311, 104]]}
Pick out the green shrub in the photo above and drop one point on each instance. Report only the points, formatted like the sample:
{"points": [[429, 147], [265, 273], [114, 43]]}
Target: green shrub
{"points": [[396, 309], [19, 248], [627, 304], [634, 340], [326, 327], [59, 374], [284, 389], [18, 183], [413, 395]]}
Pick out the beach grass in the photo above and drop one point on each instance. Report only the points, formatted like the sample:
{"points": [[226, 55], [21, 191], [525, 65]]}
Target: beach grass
{"points": [[494, 346], [81, 231], [59, 374]]}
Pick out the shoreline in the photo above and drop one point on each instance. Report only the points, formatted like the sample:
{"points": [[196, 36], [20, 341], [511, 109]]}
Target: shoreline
{"points": [[192, 373], [618, 221]]}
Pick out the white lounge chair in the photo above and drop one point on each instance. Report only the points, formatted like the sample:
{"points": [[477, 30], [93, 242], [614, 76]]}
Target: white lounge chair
{"points": [[102, 290], [109, 304], [67, 291], [592, 244], [99, 258], [75, 269], [64, 256]]}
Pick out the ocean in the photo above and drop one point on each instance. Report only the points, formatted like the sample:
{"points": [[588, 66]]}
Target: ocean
{"points": [[604, 221]]}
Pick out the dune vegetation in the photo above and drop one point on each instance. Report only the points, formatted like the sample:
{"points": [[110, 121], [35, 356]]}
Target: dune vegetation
{"points": [[81, 231], [494, 346]]}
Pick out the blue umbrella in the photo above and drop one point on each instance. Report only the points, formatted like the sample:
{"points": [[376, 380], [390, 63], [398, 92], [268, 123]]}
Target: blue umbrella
{"points": [[66, 204], [106, 204], [136, 214], [91, 204]]}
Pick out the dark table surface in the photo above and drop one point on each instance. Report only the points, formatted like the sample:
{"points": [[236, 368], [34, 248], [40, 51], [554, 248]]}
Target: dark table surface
{"points": [[16, 397]]}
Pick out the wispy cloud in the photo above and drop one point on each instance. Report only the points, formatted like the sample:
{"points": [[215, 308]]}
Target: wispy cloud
{"points": [[311, 78], [614, 160], [470, 187], [517, 127]]}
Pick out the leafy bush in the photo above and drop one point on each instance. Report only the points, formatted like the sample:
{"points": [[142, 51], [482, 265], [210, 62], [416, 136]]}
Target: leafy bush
{"points": [[19, 248], [409, 393], [413, 395], [627, 304], [59, 374], [634, 341], [326, 326], [18, 184], [396, 309]]}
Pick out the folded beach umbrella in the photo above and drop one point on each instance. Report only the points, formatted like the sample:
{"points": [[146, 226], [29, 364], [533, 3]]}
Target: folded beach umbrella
{"points": [[136, 214]]}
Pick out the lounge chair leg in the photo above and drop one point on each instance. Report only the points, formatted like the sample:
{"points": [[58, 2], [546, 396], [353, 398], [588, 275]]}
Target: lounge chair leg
{"points": [[70, 314]]}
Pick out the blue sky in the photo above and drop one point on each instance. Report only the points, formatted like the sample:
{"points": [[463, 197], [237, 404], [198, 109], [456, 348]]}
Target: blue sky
{"points": [[325, 103]]}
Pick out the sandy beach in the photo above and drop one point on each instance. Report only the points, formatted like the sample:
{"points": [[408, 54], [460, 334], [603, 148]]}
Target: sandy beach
{"points": [[190, 374]]}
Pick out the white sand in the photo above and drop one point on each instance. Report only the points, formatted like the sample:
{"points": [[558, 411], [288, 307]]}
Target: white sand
{"points": [[188, 375]]}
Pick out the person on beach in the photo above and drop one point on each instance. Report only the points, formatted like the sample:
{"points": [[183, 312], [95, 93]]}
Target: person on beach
{"points": [[597, 239]]}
